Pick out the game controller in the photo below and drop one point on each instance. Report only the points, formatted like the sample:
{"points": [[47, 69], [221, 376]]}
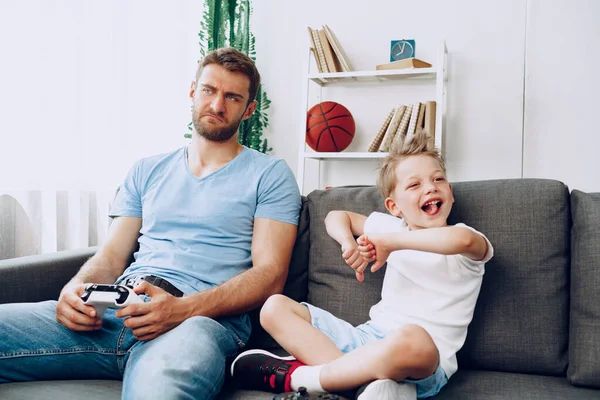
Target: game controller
{"points": [[302, 394], [102, 297]]}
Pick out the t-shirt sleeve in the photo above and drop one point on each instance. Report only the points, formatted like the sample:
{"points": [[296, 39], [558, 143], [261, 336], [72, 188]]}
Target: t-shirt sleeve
{"points": [[378, 222], [472, 264], [278, 195], [128, 201]]}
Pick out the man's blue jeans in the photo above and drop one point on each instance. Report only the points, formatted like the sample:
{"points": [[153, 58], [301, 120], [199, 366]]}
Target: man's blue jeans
{"points": [[187, 362]]}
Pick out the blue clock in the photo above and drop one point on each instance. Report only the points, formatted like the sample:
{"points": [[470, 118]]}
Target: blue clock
{"points": [[401, 49]]}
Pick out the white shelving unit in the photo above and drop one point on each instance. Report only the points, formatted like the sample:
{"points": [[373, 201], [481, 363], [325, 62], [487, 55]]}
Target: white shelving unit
{"points": [[437, 73]]}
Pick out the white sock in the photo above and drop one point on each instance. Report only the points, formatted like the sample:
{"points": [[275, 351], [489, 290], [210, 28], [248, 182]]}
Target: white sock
{"points": [[308, 377]]}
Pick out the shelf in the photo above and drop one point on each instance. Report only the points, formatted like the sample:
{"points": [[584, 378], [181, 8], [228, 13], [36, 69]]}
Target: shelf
{"points": [[366, 76], [345, 155]]}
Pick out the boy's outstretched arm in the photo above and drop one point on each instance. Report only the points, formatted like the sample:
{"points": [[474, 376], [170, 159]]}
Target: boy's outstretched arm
{"points": [[446, 240], [343, 226]]}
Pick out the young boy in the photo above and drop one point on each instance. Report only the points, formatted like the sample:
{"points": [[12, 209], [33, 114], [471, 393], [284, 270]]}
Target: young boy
{"points": [[429, 292]]}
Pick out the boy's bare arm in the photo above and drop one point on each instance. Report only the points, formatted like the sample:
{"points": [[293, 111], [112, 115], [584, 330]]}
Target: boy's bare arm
{"points": [[445, 240], [342, 226]]}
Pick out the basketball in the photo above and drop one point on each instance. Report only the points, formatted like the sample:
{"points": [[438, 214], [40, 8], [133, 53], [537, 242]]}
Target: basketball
{"points": [[329, 127]]}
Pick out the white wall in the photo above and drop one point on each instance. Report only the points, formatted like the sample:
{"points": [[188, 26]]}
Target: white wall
{"points": [[494, 109], [562, 102], [486, 55], [88, 87]]}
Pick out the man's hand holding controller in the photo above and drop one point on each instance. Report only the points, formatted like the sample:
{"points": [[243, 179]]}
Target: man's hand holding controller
{"points": [[73, 313], [81, 306]]}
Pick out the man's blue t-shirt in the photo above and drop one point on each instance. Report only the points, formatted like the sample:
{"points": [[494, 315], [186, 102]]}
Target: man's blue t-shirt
{"points": [[197, 232]]}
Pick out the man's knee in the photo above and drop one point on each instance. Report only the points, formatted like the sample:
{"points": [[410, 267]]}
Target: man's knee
{"points": [[188, 361]]}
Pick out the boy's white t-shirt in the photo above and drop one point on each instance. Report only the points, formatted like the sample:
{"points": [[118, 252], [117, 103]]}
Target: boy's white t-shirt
{"points": [[437, 292]]}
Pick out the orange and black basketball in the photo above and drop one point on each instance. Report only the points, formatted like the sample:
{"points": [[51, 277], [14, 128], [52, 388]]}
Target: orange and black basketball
{"points": [[329, 127]]}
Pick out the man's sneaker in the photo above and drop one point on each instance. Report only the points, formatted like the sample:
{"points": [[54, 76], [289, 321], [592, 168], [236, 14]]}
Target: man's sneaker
{"points": [[261, 370], [387, 389]]}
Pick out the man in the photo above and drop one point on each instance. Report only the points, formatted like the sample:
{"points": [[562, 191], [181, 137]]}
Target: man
{"points": [[215, 223]]}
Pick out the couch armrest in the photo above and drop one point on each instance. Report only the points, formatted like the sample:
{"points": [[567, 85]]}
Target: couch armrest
{"points": [[40, 277]]}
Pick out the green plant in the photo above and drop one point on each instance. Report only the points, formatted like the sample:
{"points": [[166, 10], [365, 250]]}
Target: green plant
{"points": [[227, 23]]}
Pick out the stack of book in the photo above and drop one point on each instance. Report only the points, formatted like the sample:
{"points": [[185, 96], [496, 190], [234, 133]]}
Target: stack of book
{"points": [[403, 122], [327, 51]]}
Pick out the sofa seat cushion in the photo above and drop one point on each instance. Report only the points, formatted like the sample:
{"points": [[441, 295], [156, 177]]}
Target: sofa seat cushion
{"points": [[521, 321], [487, 385], [584, 339], [63, 390]]}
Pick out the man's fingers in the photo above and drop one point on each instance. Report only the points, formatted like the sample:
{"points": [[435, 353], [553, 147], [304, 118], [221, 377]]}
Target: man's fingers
{"points": [[133, 310], [77, 317], [78, 325], [138, 321], [144, 331], [75, 302]]}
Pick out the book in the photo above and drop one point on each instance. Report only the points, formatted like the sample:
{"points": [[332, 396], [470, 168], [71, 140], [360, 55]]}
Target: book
{"points": [[429, 124], [412, 124], [402, 64], [313, 49], [314, 53], [319, 51], [337, 49], [327, 51], [402, 128], [376, 143], [392, 128], [420, 119]]}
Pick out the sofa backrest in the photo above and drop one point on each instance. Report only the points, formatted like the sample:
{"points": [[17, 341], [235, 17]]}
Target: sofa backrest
{"points": [[584, 337], [521, 319]]}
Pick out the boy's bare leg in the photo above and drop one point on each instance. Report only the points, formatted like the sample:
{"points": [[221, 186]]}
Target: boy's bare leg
{"points": [[408, 352], [289, 323]]}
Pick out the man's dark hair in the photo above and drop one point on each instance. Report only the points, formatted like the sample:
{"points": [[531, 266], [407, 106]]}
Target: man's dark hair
{"points": [[234, 61]]}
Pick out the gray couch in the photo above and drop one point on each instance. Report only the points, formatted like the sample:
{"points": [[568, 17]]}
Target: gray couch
{"points": [[536, 329]]}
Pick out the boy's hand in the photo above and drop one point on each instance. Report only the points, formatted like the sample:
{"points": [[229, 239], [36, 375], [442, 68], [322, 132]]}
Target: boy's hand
{"points": [[353, 257], [374, 248]]}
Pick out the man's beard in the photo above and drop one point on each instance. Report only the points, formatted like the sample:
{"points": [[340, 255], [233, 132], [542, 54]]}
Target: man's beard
{"points": [[213, 133]]}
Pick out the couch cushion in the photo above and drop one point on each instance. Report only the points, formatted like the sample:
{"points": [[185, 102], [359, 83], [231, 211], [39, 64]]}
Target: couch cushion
{"points": [[331, 283], [521, 320], [487, 385], [584, 339], [296, 285], [63, 390]]}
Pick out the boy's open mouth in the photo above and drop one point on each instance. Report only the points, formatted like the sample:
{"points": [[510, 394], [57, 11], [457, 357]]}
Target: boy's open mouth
{"points": [[432, 207]]}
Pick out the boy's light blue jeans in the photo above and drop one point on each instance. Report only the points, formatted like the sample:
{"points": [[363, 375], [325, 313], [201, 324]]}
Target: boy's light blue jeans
{"points": [[187, 362]]}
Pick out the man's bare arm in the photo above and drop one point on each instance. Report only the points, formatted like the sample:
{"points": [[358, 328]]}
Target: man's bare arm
{"points": [[111, 259], [272, 245], [104, 267]]}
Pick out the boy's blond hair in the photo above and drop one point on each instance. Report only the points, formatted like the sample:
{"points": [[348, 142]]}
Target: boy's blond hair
{"points": [[420, 144]]}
